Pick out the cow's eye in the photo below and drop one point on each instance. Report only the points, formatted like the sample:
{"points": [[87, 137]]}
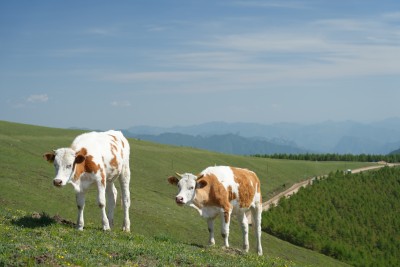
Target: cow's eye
{"points": [[191, 188], [69, 166]]}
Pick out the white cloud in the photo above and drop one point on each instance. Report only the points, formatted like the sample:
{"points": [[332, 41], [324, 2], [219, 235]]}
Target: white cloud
{"points": [[38, 98], [392, 15], [272, 4], [101, 31], [166, 76], [121, 104]]}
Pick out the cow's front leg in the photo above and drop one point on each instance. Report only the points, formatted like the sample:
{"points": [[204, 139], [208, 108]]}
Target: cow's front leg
{"points": [[242, 218], [210, 222], [226, 219], [80, 202], [101, 200], [111, 202]]}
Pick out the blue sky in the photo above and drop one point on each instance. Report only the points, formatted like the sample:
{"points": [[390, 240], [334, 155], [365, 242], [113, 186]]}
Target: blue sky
{"points": [[103, 64]]}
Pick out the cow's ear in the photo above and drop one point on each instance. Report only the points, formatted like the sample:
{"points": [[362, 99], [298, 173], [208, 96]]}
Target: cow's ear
{"points": [[79, 159], [50, 156], [201, 184], [173, 180]]}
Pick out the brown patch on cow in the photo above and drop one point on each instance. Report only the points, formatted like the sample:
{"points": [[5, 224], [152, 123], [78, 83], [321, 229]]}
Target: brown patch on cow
{"points": [[88, 165], [103, 178], [114, 161], [213, 193], [123, 144], [231, 194], [113, 136], [248, 183]]}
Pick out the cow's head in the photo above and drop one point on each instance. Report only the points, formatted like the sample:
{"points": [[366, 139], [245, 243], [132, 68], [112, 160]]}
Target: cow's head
{"points": [[187, 184], [64, 160]]}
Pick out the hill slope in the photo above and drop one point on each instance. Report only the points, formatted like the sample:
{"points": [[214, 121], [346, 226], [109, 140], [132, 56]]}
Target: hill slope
{"points": [[395, 152], [27, 185], [351, 217]]}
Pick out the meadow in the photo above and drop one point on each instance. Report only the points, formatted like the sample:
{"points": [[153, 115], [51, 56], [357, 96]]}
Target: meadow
{"points": [[162, 232]]}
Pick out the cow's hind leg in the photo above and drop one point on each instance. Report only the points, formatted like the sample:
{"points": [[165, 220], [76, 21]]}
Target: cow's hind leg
{"points": [[101, 200], [256, 213], [80, 202], [242, 218], [124, 180], [210, 223], [111, 192]]}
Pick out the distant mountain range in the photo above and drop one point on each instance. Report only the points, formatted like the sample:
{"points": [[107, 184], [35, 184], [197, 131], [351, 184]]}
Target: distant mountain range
{"points": [[225, 143], [380, 137], [395, 152]]}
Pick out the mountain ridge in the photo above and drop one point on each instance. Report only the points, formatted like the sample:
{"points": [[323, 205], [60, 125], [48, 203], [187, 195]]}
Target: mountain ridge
{"points": [[225, 143], [380, 137]]}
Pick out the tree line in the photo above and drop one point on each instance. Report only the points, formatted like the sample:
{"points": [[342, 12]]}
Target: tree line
{"points": [[392, 158], [351, 217]]}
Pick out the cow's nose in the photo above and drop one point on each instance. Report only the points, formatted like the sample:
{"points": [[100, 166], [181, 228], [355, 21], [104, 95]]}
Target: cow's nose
{"points": [[179, 200], [57, 182]]}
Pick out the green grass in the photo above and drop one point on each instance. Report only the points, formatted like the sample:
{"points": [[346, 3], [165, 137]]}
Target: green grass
{"points": [[40, 239], [27, 185]]}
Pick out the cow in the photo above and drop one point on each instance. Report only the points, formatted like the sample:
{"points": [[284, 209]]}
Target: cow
{"points": [[100, 158], [223, 190]]}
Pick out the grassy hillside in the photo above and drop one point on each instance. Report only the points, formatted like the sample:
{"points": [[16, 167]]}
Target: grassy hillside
{"points": [[352, 217], [27, 185]]}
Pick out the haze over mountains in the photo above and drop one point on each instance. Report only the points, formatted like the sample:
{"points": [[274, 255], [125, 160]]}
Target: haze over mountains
{"points": [[381, 137]]}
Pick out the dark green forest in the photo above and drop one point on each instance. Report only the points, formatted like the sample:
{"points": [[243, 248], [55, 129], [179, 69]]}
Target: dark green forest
{"points": [[352, 217], [391, 158]]}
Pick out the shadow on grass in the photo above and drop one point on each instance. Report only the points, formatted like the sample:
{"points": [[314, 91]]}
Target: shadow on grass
{"points": [[197, 245], [37, 220]]}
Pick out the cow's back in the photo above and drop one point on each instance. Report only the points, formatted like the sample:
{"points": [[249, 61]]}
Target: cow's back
{"points": [[109, 148], [242, 185]]}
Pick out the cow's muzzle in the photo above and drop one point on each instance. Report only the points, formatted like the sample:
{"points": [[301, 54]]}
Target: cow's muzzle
{"points": [[179, 200], [57, 182]]}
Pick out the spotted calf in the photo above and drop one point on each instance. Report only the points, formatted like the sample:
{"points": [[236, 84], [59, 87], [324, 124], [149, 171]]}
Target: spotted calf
{"points": [[100, 158], [223, 190]]}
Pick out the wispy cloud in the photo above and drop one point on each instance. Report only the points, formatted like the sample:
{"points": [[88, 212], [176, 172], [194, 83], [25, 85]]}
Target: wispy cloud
{"points": [[38, 98], [392, 15], [166, 76], [121, 104], [272, 4], [28, 102], [104, 31]]}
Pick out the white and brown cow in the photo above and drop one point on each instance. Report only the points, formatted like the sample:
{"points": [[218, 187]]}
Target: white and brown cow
{"points": [[100, 158], [223, 190]]}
